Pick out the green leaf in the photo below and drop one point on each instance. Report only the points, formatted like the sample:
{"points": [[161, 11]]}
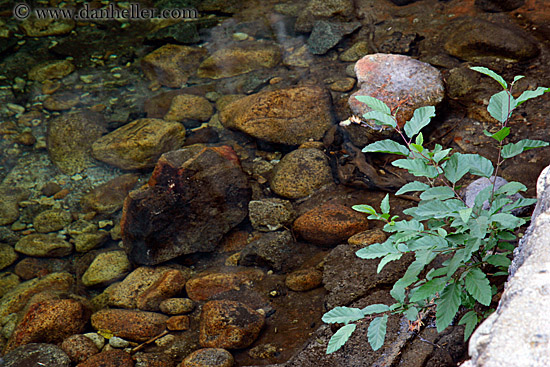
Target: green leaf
{"points": [[470, 320], [376, 250], [499, 260], [385, 204], [447, 306], [398, 292], [478, 227], [479, 166], [517, 77], [507, 221], [428, 290], [438, 156], [416, 167], [465, 214], [501, 134], [376, 308], [417, 148], [343, 315], [478, 286], [490, 73], [411, 313], [528, 94], [377, 332], [506, 236], [511, 188], [386, 259], [455, 262], [374, 103], [340, 338], [427, 242], [364, 208], [381, 118], [386, 146], [421, 117], [501, 106], [438, 192], [456, 167], [412, 186], [513, 149], [419, 139]]}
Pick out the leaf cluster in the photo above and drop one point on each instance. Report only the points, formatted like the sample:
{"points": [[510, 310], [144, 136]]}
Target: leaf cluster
{"points": [[476, 241]]}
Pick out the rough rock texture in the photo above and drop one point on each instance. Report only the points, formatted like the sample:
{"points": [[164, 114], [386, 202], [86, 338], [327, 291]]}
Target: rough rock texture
{"points": [[209, 284], [106, 268], [193, 198], [208, 357], [139, 143], [521, 321], [130, 324], [109, 358], [43, 245], [325, 35], [36, 354], [272, 250], [109, 197], [323, 9], [229, 324], [270, 214], [286, 116]]}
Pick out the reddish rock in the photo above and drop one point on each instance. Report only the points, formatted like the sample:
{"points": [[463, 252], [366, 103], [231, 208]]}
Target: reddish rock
{"points": [[330, 224], [79, 348], [50, 321], [32, 267], [207, 285], [368, 237], [170, 284], [304, 280], [229, 324], [208, 357], [109, 358], [195, 196], [109, 197], [178, 323], [153, 360], [130, 324]]}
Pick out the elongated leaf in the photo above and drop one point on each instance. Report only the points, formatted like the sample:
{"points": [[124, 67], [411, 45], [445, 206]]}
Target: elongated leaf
{"points": [[478, 286], [427, 242], [364, 208], [439, 192], [376, 333], [412, 186], [398, 292], [513, 149], [501, 106], [411, 313], [421, 117], [343, 315], [501, 134], [507, 221], [340, 338], [376, 308], [381, 118], [428, 290], [447, 306], [499, 260], [479, 166], [407, 226], [492, 74], [528, 94], [438, 156], [465, 214], [456, 167], [516, 78], [416, 167], [386, 259], [385, 204], [511, 188], [455, 262], [374, 103], [386, 146], [470, 321], [376, 250], [419, 139]]}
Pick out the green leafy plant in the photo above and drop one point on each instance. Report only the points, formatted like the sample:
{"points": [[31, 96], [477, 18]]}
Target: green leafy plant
{"points": [[473, 240]]}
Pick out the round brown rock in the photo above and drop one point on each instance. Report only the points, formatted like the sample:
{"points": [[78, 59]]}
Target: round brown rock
{"points": [[286, 116], [51, 220], [176, 306], [207, 285], [7, 255], [330, 224], [130, 324], [300, 173], [368, 237], [53, 69], [109, 358], [188, 106], [304, 280], [79, 347], [139, 144], [43, 245], [229, 324], [208, 357], [106, 268], [170, 284]]}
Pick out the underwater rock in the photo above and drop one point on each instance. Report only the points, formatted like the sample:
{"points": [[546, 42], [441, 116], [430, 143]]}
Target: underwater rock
{"points": [[36, 354], [270, 214], [130, 324], [79, 347], [208, 357], [53, 69], [300, 173], [286, 116], [475, 39], [43, 245], [139, 144], [168, 285], [304, 280], [330, 224], [69, 140], [229, 324], [494, 6], [50, 321], [355, 52], [9, 205], [109, 197], [207, 285], [195, 196], [106, 268], [171, 65], [239, 60], [177, 306], [325, 35], [7, 255], [109, 358], [51, 220], [34, 27], [340, 10], [181, 32], [189, 107], [272, 249]]}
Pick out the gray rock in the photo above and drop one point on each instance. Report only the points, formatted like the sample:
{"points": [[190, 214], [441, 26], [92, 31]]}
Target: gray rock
{"points": [[325, 35], [270, 214], [472, 190], [272, 249], [36, 354]]}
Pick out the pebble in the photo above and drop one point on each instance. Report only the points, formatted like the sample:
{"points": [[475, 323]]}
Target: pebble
{"points": [[43, 245], [109, 358], [178, 323], [270, 214], [208, 357], [106, 268], [368, 237], [7, 255], [176, 306], [188, 106], [53, 69], [304, 280], [167, 286], [51, 220], [79, 347], [342, 85], [117, 342]]}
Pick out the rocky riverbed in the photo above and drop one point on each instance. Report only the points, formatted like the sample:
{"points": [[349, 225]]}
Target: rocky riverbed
{"points": [[179, 192]]}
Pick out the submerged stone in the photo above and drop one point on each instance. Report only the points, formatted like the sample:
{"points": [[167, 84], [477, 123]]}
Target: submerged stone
{"points": [[195, 196], [325, 35]]}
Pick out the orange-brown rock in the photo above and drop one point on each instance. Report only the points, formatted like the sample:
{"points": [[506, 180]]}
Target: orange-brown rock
{"points": [[109, 358], [79, 347], [330, 224], [304, 280], [207, 357], [207, 285], [178, 323], [229, 324], [109, 197], [168, 285], [130, 324]]}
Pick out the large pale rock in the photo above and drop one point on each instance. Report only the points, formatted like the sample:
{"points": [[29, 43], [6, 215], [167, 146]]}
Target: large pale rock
{"points": [[139, 144], [195, 196], [239, 60], [286, 116], [171, 65], [106, 268]]}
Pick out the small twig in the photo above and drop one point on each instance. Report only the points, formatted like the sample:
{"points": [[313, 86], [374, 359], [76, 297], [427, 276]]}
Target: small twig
{"points": [[142, 345]]}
